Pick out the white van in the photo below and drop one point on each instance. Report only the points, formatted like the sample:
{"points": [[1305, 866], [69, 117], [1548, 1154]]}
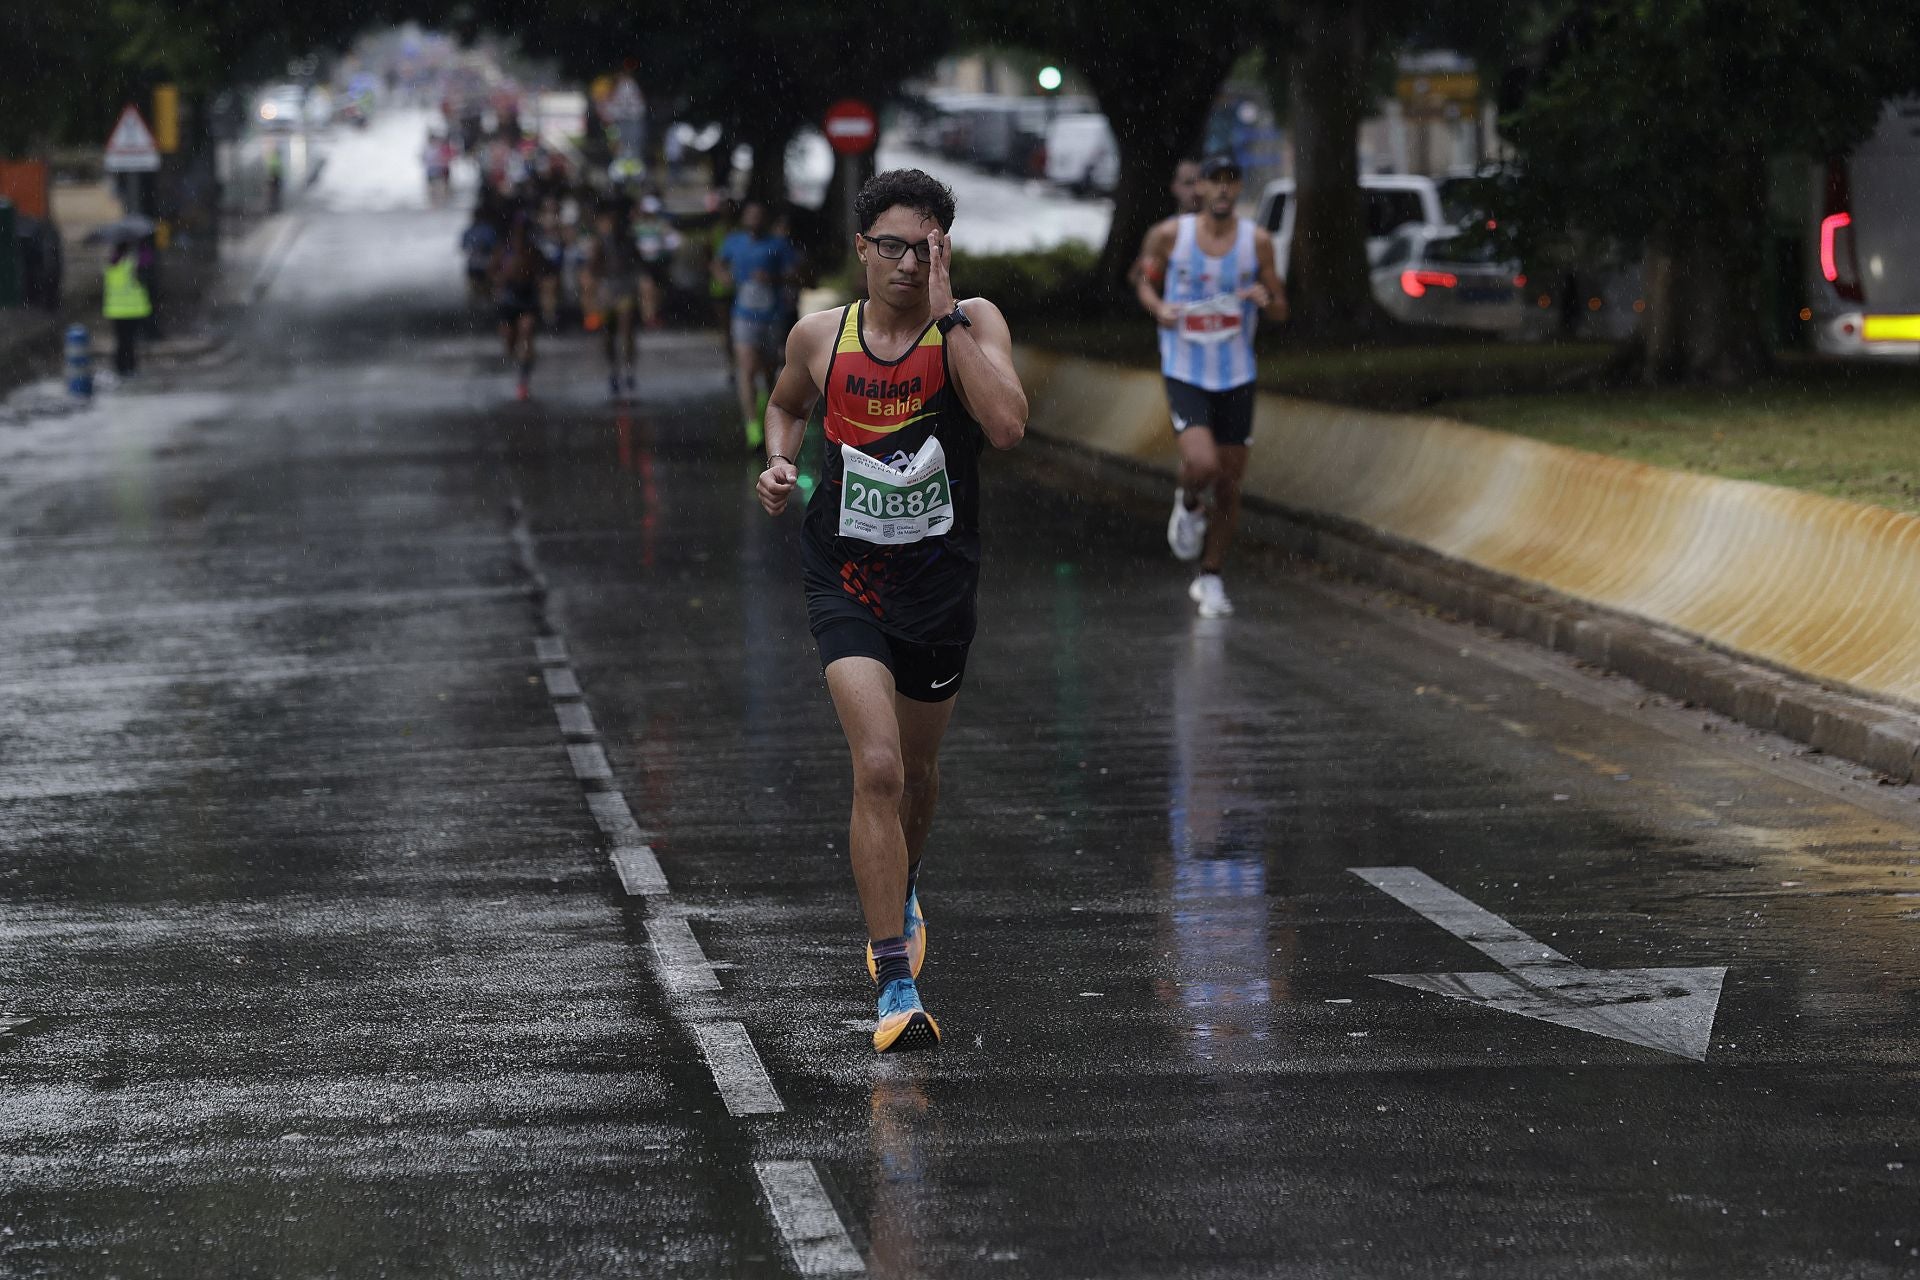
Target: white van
{"points": [[1864, 269], [1082, 154], [1389, 201]]}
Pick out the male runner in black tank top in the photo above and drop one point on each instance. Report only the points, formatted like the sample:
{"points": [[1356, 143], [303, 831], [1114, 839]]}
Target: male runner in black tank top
{"points": [[913, 383]]}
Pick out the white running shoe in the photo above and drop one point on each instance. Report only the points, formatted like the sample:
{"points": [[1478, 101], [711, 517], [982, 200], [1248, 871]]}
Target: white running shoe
{"points": [[1186, 530], [1210, 594]]}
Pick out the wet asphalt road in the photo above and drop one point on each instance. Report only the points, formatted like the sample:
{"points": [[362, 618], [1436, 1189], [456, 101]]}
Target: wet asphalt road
{"points": [[316, 962]]}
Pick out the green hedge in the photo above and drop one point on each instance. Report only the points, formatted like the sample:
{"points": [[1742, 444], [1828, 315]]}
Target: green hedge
{"points": [[1046, 282]]}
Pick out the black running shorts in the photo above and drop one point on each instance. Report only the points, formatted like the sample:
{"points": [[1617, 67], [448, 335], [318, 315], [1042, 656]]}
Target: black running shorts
{"points": [[923, 672], [1227, 414]]}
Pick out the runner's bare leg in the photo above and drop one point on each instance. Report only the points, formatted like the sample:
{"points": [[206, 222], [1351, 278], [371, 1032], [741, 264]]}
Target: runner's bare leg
{"points": [[863, 697], [1199, 462], [922, 726], [1226, 506]]}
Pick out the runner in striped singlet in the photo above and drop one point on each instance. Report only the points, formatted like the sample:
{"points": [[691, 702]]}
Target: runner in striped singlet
{"points": [[1218, 276]]}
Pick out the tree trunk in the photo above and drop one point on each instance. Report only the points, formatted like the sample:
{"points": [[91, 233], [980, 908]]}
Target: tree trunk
{"points": [[1703, 288], [1154, 127], [768, 136], [1327, 287], [834, 247]]}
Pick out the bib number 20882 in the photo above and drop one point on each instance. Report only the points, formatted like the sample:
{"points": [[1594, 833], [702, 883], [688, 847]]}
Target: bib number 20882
{"points": [[891, 503], [889, 506]]}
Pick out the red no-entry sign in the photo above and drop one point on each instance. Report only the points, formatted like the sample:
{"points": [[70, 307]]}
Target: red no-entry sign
{"points": [[851, 127]]}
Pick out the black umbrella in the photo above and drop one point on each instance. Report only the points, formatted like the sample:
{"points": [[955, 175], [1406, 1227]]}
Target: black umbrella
{"points": [[131, 227]]}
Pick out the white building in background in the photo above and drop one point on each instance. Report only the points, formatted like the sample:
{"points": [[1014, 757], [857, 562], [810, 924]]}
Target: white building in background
{"points": [[1439, 121]]}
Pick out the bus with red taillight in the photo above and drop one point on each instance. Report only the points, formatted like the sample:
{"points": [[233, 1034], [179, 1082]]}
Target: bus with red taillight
{"points": [[1864, 285]]}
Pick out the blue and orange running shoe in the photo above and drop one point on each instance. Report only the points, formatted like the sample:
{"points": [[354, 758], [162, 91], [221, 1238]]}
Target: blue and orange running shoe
{"points": [[903, 1025], [914, 930]]}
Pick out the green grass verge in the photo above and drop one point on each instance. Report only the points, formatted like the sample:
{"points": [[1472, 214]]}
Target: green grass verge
{"points": [[1847, 431], [1411, 375]]}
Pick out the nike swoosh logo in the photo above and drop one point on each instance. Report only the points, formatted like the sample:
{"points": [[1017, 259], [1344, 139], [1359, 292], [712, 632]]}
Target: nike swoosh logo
{"points": [[941, 684]]}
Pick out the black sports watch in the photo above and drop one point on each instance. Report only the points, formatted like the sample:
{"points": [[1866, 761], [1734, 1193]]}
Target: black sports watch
{"points": [[957, 316]]}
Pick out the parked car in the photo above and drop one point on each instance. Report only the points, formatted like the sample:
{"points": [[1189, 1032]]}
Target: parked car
{"points": [[1438, 276], [1082, 154], [1388, 201], [1863, 280]]}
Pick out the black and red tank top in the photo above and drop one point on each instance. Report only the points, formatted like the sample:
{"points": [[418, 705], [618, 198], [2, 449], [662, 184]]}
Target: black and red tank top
{"points": [[922, 591]]}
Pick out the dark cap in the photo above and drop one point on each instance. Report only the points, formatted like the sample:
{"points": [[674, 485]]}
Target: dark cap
{"points": [[1220, 165]]}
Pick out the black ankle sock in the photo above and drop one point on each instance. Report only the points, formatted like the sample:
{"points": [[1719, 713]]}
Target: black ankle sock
{"points": [[890, 960]]}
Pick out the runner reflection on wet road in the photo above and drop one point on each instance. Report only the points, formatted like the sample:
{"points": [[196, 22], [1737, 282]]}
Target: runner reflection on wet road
{"points": [[1216, 885]]}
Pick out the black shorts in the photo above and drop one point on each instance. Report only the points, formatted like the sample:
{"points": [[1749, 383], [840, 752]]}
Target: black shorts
{"points": [[511, 304], [1227, 414], [923, 672]]}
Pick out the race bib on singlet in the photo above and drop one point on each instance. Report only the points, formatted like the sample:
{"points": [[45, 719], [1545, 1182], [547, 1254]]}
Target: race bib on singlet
{"points": [[756, 295], [1211, 320], [890, 506]]}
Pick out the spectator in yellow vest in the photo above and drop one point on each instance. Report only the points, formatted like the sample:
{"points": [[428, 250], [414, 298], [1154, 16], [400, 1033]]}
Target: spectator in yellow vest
{"points": [[125, 301]]}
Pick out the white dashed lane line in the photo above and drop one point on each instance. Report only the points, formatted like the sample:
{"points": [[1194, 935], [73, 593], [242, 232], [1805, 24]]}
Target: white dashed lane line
{"points": [[744, 1084], [807, 1220], [639, 871], [684, 967], [610, 812], [796, 1195], [589, 762], [575, 720]]}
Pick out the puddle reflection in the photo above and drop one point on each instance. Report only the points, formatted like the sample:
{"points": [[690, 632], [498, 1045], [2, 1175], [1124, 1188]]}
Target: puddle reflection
{"points": [[904, 1131], [1216, 926]]}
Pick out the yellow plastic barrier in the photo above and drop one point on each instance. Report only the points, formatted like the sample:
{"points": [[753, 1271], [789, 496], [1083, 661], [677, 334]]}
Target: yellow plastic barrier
{"points": [[1827, 588]]}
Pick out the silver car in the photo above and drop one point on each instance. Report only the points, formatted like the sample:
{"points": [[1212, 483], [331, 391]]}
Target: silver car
{"points": [[1436, 276]]}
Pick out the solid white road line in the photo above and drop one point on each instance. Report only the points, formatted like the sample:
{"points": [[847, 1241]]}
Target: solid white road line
{"points": [[684, 967], [806, 1218], [589, 762], [550, 650], [737, 1069], [640, 873], [561, 682]]}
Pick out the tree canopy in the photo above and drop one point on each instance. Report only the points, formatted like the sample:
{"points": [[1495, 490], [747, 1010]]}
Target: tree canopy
{"points": [[1651, 124]]}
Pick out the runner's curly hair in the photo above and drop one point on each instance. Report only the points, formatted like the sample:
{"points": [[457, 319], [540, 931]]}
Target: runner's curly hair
{"points": [[908, 188]]}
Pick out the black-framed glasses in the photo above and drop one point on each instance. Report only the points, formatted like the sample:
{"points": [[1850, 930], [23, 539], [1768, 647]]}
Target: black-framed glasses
{"points": [[893, 248]]}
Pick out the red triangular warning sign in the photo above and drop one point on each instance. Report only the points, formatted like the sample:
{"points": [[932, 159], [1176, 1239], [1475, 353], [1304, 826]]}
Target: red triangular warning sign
{"points": [[131, 147]]}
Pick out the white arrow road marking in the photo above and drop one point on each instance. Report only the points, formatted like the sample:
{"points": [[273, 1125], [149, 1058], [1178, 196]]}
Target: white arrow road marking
{"points": [[1670, 1010]]}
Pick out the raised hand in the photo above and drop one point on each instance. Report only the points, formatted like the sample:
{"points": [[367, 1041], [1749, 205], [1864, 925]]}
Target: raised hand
{"points": [[939, 281]]}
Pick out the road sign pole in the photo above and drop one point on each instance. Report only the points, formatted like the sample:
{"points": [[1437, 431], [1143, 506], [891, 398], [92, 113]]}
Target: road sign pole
{"points": [[852, 131]]}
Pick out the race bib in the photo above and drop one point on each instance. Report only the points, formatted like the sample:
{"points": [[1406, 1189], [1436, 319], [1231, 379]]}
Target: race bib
{"points": [[1211, 320], [756, 295], [890, 506]]}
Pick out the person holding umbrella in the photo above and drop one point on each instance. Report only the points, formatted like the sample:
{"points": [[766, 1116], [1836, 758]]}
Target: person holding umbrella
{"points": [[126, 301]]}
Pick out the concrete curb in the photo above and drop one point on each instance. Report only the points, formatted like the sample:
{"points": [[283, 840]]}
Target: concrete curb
{"points": [[1119, 448]]}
